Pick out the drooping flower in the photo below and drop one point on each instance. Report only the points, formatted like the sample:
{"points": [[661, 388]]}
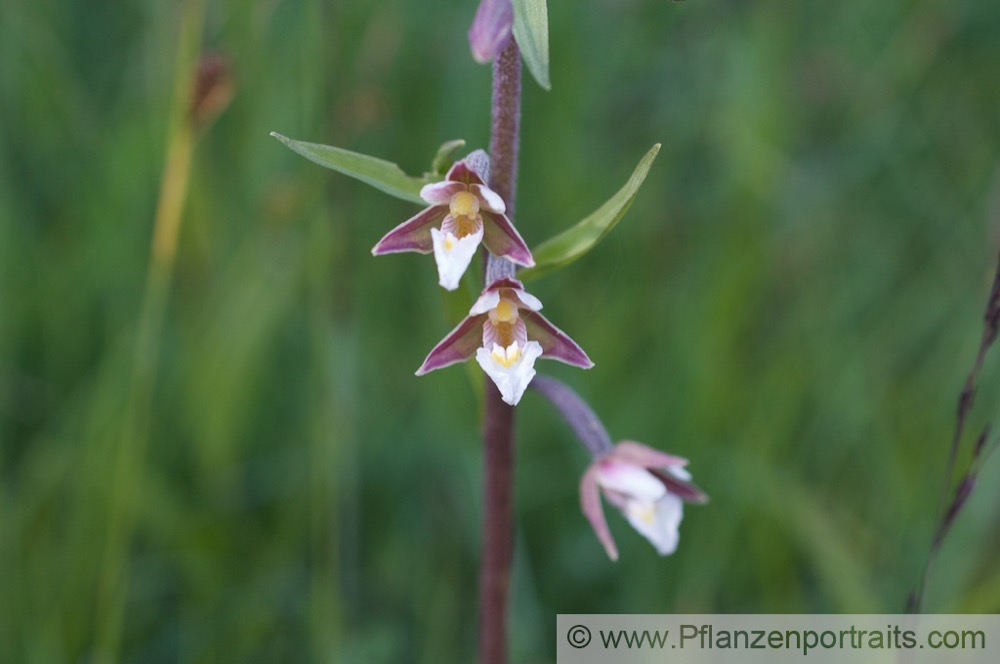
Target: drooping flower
{"points": [[469, 212], [648, 486], [506, 334], [490, 29]]}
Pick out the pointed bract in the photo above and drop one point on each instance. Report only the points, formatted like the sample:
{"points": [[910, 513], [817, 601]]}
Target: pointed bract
{"points": [[470, 170]]}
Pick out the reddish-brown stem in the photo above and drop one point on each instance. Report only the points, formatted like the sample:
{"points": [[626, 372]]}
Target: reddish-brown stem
{"points": [[498, 527], [498, 424], [506, 124]]}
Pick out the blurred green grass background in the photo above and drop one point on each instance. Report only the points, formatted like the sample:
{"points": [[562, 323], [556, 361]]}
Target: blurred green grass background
{"points": [[792, 303]]}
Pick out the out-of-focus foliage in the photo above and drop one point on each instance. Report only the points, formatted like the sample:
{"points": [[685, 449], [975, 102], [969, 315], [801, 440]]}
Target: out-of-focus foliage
{"points": [[792, 305]]}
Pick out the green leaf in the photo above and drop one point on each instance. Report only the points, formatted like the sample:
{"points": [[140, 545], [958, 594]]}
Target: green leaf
{"points": [[383, 175], [445, 156], [531, 30], [574, 242]]}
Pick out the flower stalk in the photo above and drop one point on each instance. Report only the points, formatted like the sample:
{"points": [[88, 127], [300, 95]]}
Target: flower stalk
{"points": [[580, 416], [498, 422], [504, 134]]}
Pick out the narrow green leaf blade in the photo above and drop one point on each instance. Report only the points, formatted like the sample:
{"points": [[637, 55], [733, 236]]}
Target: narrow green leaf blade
{"points": [[383, 175], [445, 156], [576, 241], [531, 30]]}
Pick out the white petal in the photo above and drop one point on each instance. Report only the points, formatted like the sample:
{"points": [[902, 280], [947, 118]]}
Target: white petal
{"points": [[528, 300], [488, 300], [657, 521], [440, 193], [512, 379], [489, 198], [631, 480], [453, 255]]}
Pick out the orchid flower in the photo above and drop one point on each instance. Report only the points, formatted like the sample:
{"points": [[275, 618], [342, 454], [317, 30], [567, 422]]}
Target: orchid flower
{"points": [[649, 487], [469, 213], [506, 334]]}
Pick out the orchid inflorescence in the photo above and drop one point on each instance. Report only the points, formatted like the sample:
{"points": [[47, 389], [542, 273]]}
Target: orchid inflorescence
{"points": [[506, 333], [504, 329]]}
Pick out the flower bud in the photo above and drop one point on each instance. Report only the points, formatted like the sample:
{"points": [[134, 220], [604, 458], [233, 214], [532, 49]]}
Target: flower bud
{"points": [[490, 29]]}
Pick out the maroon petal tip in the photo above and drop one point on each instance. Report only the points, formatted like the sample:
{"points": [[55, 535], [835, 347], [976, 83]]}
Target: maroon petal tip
{"points": [[502, 239], [460, 344], [414, 234]]}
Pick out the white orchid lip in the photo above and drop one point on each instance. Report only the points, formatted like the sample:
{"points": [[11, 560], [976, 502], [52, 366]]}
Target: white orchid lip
{"points": [[453, 255], [510, 368], [507, 335], [505, 357], [658, 521]]}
